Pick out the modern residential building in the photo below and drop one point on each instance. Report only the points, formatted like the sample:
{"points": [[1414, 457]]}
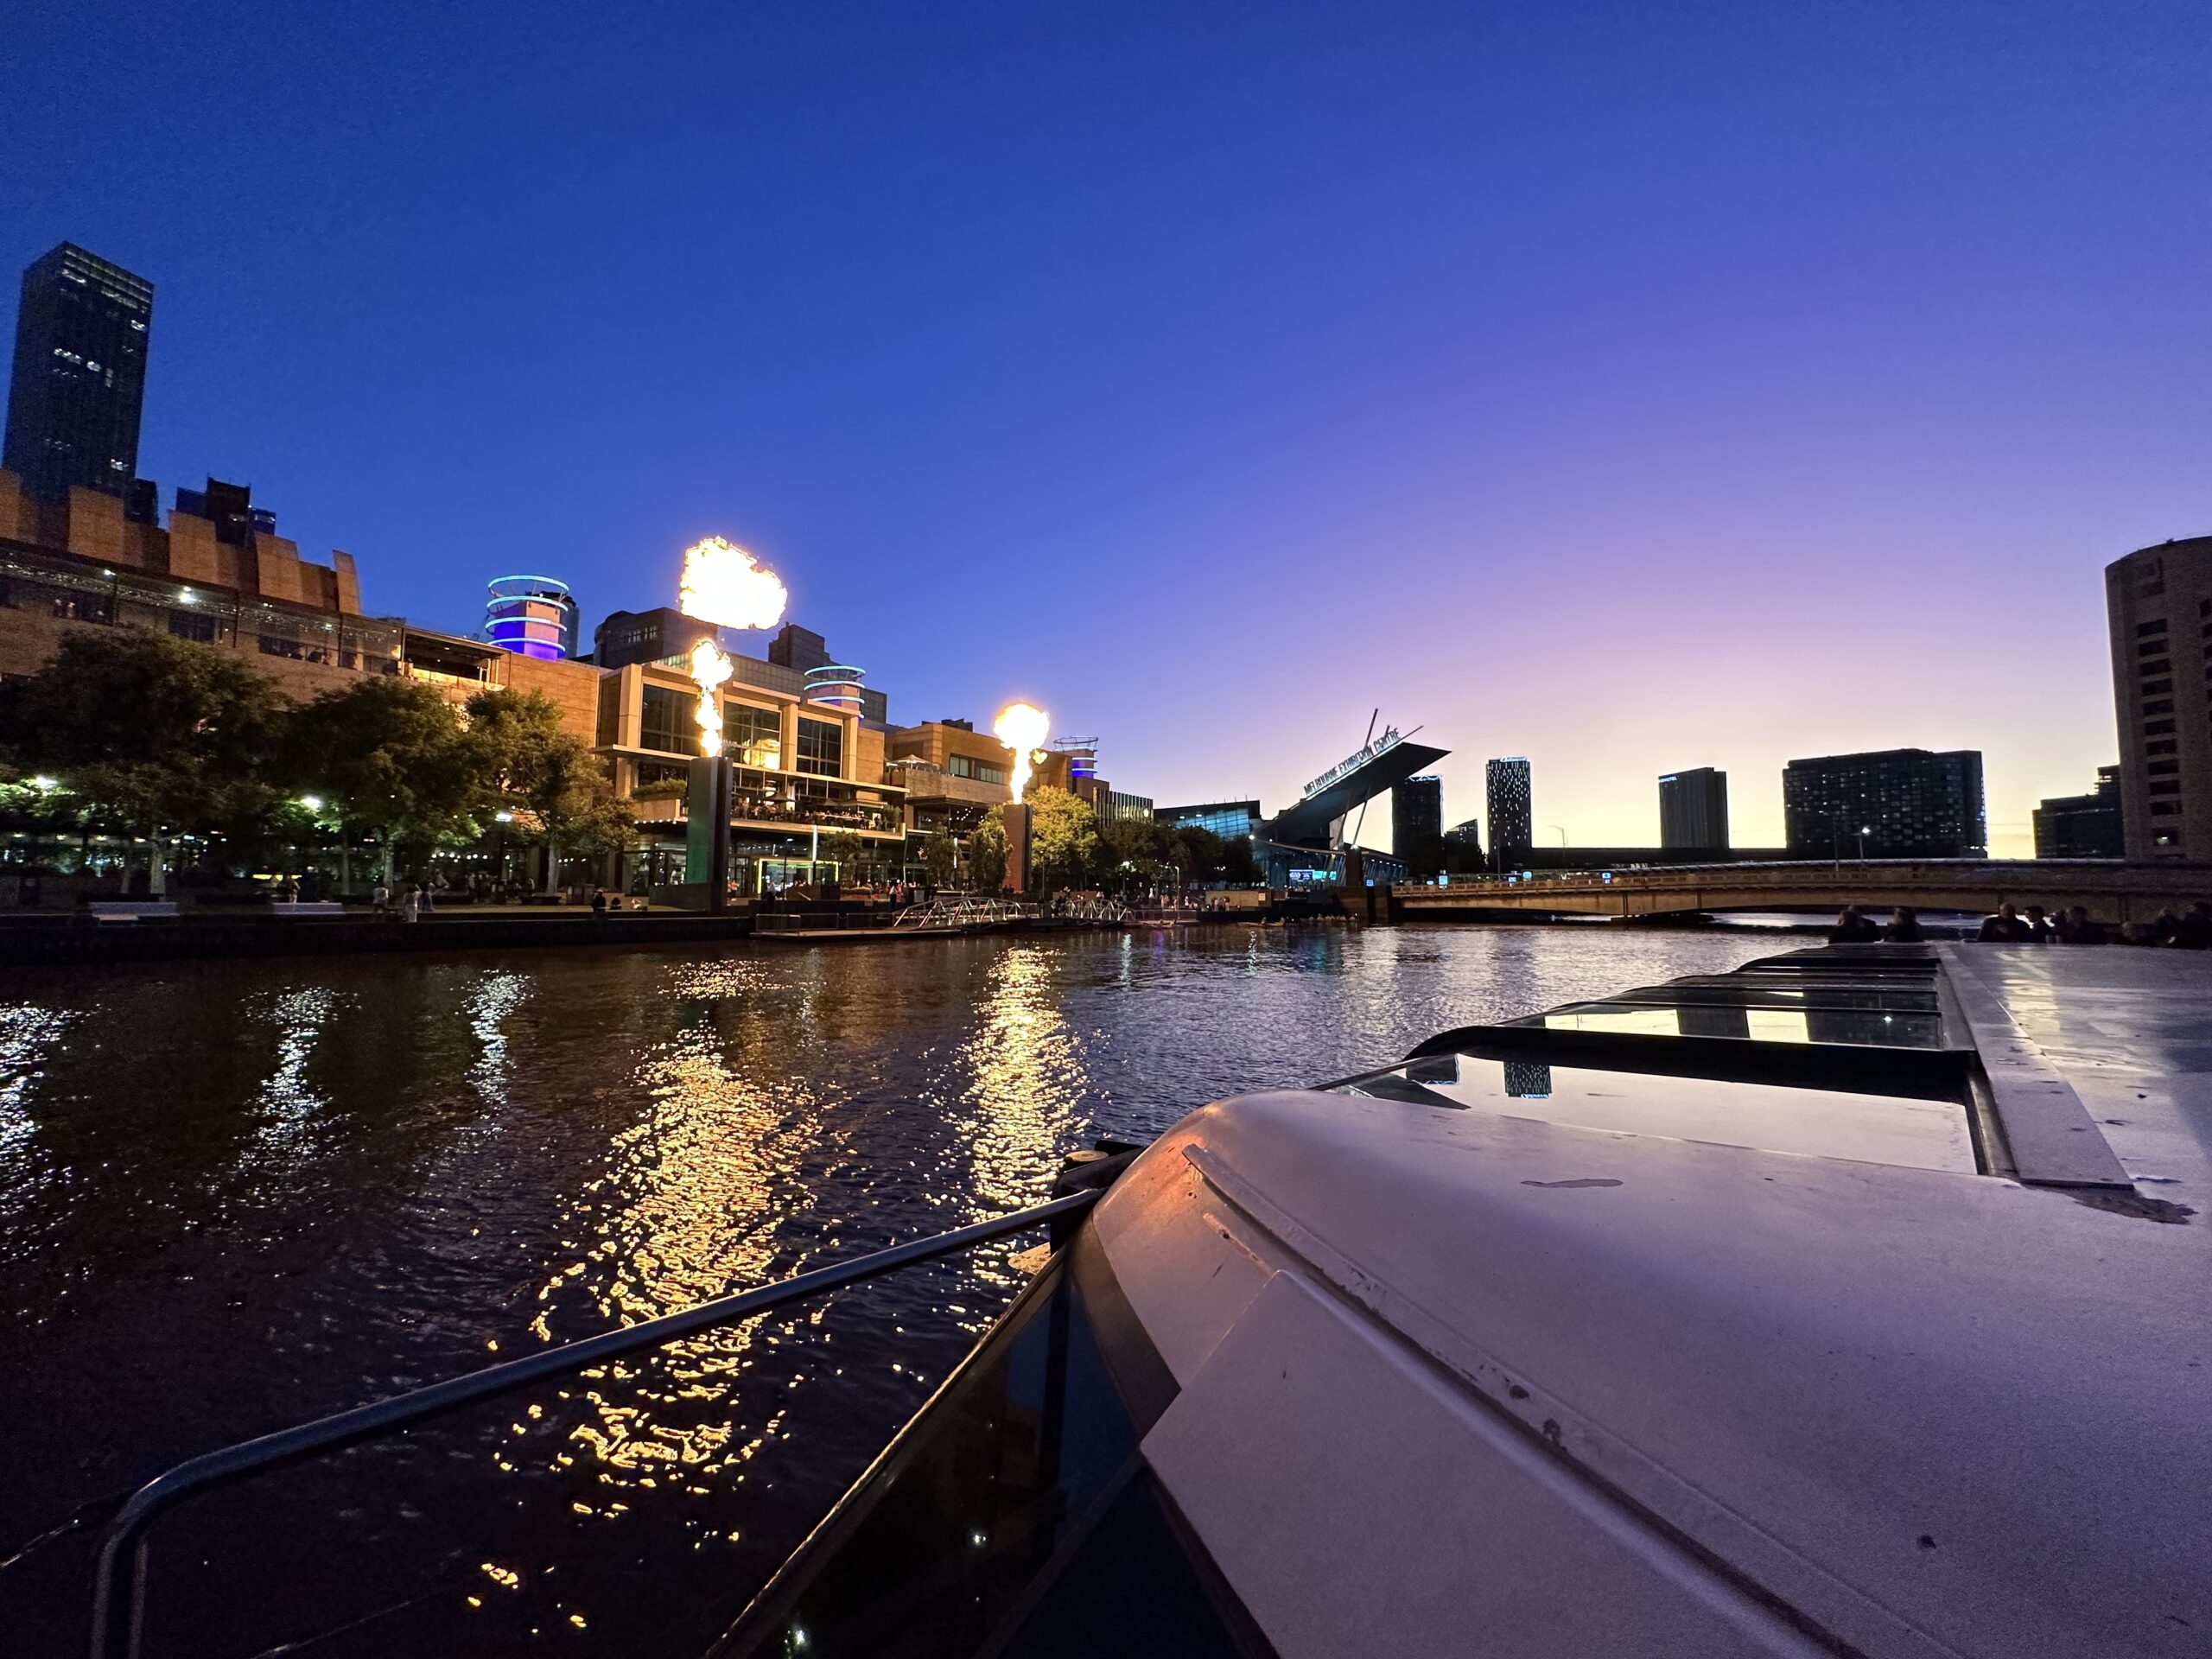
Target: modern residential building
{"points": [[1417, 822], [1885, 803], [1228, 819], [2082, 826], [1694, 808], [1121, 807], [1511, 805], [2158, 603], [80, 379], [1467, 833], [533, 616]]}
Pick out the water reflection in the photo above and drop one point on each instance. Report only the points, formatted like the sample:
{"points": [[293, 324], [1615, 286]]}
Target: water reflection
{"points": [[291, 1111], [28, 1033], [494, 998], [685, 1212], [1028, 1082]]}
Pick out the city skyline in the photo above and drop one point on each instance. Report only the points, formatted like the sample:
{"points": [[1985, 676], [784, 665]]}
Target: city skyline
{"points": [[1833, 462]]}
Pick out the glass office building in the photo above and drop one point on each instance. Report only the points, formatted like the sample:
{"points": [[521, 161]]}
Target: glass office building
{"points": [[1228, 819]]}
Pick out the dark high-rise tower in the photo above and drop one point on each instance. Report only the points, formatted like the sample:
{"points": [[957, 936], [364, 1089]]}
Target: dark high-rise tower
{"points": [[1512, 807], [79, 375], [1886, 804], [1694, 808], [1417, 823]]}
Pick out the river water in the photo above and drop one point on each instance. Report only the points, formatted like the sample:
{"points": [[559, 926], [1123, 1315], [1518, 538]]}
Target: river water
{"points": [[235, 1196]]}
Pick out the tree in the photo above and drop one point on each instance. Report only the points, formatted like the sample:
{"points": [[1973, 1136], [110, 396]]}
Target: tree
{"points": [[940, 858], [1129, 852], [389, 755], [151, 732], [1062, 838], [1238, 866], [526, 763], [847, 851], [987, 854], [1197, 852]]}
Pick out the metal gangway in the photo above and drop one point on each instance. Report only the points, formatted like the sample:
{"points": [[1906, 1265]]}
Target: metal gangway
{"points": [[939, 914]]}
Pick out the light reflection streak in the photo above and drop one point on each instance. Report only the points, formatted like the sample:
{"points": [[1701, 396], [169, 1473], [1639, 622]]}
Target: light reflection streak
{"points": [[27, 1040], [1028, 1082], [686, 1210], [291, 1109], [495, 997]]}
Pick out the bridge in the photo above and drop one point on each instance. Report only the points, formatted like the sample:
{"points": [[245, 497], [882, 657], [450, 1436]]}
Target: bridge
{"points": [[2111, 891]]}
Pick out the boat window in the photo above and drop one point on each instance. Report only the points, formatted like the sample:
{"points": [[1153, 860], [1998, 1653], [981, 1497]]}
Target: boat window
{"points": [[1917, 1132]]}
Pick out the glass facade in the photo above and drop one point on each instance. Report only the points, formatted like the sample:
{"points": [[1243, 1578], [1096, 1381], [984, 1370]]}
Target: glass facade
{"points": [[1694, 808], [752, 736], [668, 723], [821, 748], [1228, 819]]}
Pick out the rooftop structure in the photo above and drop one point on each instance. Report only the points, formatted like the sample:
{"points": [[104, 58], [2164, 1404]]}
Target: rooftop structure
{"points": [[533, 616]]}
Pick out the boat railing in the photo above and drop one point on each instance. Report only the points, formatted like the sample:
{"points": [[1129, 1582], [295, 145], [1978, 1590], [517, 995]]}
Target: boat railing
{"points": [[119, 1582]]}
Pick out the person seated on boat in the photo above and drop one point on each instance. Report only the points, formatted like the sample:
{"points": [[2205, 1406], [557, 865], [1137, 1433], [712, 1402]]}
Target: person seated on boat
{"points": [[1853, 928], [2194, 932], [2005, 927], [2038, 927], [2074, 927], [1904, 926]]}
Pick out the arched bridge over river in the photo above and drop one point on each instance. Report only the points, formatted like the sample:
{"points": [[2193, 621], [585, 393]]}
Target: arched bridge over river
{"points": [[2111, 891]]}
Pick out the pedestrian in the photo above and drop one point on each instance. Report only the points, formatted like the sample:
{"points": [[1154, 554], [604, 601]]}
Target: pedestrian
{"points": [[2005, 927], [380, 899], [290, 889], [2194, 932], [1904, 926], [599, 901], [411, 905], [1852, 928], [423, 898], [2039, 929]]}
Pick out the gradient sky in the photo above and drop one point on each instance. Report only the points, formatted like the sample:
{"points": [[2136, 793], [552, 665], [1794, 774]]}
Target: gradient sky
{"points": [[1630, 387]]}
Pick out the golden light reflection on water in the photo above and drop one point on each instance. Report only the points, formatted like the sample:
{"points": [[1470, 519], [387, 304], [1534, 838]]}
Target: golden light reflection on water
{"points": [[1028, 1082], [685, 1212]]}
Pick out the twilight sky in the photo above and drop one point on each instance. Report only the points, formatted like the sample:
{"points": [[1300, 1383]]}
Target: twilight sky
{"points": [[1626, 386]]}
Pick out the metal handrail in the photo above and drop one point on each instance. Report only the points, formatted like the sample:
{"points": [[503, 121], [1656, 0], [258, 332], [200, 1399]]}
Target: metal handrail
{"points": [[119, 1586]]}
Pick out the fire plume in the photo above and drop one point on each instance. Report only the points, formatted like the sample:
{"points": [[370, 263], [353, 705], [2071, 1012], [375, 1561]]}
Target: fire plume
{"points": [[1022, 727], [710, 667], [727, 585]]}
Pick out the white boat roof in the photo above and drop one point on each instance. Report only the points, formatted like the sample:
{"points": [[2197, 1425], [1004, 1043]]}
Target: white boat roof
{"points": [[1469, 1374]]}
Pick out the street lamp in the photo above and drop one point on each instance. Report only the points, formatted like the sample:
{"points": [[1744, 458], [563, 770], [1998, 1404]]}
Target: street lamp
{"points": [[1865, 830]]}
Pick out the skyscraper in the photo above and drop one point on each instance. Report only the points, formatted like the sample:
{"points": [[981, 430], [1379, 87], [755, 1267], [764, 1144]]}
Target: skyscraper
{"points": [[80, 376], [1694, 808], [1885, 803], [1511, 806], [1417, 823], [2159, 602]]}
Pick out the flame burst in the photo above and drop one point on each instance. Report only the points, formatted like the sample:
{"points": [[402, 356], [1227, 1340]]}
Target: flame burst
{"points": [[710, 667], [1022, 728], [727, 585]]}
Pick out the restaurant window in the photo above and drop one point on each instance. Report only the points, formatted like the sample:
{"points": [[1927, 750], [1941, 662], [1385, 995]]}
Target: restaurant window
{"points": [[821, 748], [752, 736], [666, 721], [193, 624]]}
